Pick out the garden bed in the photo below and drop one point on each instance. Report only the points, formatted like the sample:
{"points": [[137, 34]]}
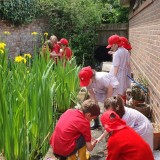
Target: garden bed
{"points": [[156, 136]]}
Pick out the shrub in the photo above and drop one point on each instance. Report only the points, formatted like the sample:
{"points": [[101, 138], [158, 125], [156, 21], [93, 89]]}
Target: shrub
{"points": [[18, 11]]}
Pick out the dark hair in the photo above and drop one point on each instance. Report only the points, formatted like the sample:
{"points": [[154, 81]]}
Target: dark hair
{"points": [[89, 106], [116, 104]]}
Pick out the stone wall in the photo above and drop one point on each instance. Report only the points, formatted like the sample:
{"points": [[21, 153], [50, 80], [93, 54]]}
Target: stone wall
{"points": [[21, 40], [144, 35], [106, 30]]}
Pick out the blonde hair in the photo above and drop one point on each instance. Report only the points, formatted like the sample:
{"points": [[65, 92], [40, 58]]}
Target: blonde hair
{"points": [[53, 39]]}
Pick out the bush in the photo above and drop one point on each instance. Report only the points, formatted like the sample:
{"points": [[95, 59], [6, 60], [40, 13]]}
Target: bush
{"points": [[18, 11], [72, 19]]}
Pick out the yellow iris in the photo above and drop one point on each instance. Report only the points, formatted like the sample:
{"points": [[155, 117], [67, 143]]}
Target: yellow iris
{"points": [[27, 55], [7, 33], [20, 59], [2, 45], [45, 34], [34, 33], [1, 51], [24, 60]]}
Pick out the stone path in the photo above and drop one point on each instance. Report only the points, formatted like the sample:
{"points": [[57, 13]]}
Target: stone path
{"points": [[106, 66], [98, 151]]}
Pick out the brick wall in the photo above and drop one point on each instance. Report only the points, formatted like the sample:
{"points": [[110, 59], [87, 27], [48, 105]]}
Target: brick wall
{"points": [[144, 35], [21, 40]]}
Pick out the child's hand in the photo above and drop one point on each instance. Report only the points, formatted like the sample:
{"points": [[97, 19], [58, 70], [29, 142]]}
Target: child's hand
{"points": [[98, 140], [53, 54], [110, 52]]}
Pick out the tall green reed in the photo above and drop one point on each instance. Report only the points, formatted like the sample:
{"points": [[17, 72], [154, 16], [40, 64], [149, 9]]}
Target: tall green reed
{"points": [[30, 95], [26, 100], [67, 86]]}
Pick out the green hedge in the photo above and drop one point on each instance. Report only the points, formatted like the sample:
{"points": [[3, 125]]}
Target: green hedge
{"points": [[18, 11]]}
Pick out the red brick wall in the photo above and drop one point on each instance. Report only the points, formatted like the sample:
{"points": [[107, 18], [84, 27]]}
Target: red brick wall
{"points": [[144, 35], [21, 39]]}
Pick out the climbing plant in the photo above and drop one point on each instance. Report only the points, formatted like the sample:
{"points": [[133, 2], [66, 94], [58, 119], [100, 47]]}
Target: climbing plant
{"points": [[18, 11]]}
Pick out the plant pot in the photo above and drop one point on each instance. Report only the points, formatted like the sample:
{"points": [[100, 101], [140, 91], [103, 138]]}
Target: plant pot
{"points": [[136, 102], [156, 141], [143, 108], [156, 136]]}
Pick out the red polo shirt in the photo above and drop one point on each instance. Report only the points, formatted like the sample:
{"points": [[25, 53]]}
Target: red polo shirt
{"points": [[67, 53], [56, 48], [71, 125], [126, 144]]}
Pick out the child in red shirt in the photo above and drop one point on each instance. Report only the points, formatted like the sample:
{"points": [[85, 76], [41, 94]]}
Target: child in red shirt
{"points": [[123, 143], [65, 51], [72, 131], [55, 48]]}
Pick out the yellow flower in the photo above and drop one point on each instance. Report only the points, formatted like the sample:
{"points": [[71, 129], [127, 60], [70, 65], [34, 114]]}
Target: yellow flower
{"points": [[27, 55], [20, 59], [34, 33], [45, 34], [7, 33], [1, 51], [2, 45], [24, 60]]}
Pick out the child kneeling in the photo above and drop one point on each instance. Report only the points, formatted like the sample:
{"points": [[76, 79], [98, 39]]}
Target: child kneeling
{"points": [[72, 132]]}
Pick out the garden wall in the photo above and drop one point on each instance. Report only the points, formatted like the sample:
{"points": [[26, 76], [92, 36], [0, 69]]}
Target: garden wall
{"points": [[106, 30], [21, 39], [144, 35]]}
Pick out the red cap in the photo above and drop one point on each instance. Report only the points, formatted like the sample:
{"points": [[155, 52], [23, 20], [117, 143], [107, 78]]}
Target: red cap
{"points": [[111, 121], [63, 41], [85, 75], [125, 43], [114, 39], [124, 39]]}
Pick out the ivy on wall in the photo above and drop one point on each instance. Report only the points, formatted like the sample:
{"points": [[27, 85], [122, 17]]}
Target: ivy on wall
{"points": [[18, 11]]}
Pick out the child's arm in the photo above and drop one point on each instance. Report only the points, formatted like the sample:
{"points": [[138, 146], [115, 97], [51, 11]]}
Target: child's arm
{"points": [[104, 134], [109, 91], [92, 95], [91, 145]]}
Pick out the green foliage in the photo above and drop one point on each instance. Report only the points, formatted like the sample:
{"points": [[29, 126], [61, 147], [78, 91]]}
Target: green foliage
{"points": [[76, 20], [26, 99], [72, 19], [66, 85], [31, 94], [18, 11], [114, 13]]}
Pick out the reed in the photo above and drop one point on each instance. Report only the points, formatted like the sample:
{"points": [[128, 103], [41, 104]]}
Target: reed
{"points": [[33, 93]]}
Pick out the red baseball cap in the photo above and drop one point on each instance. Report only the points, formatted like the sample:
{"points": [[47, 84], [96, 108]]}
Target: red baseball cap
{"points": [[127, 46], [111, 121], [125, 43], [85, 75], [63, 41], [114, 39]]}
